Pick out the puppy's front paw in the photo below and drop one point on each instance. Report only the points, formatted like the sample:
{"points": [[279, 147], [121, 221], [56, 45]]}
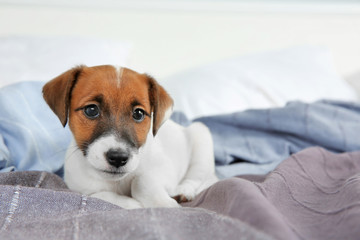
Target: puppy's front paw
{"points": [[181, 198], [184, 193]]}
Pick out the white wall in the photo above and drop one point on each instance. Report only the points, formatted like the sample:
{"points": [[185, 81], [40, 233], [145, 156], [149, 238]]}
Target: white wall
{"points": [[166, 40]]}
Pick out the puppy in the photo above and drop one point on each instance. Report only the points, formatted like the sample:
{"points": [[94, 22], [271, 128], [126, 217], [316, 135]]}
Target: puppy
{"points": [[124, 148]]}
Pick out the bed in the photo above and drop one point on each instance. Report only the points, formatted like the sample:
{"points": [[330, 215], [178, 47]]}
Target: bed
{"points": [[288, 158]]}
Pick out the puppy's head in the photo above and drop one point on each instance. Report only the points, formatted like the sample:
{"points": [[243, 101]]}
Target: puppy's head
{"points": [[111, 111]]}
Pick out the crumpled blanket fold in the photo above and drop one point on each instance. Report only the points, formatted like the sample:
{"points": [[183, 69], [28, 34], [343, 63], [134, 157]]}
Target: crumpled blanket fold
{"points": [[314, 194], [256, 141]]}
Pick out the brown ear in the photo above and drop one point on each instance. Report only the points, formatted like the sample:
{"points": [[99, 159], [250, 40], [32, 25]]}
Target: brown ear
{"points": [[57, 93], [161, 104]]}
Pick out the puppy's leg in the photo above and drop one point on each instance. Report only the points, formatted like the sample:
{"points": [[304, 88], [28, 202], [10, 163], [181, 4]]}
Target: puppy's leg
{"points": [[201, 172], [120, 200], [151, 193]]}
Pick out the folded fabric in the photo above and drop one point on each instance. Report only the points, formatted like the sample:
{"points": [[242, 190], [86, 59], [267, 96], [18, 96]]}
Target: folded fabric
{"points": [[256, 141], [314, 194], [37, 205], [31, 136]]}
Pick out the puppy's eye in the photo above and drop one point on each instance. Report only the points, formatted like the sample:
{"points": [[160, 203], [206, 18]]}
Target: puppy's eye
{"points": [[91, 111], [138, 115]]}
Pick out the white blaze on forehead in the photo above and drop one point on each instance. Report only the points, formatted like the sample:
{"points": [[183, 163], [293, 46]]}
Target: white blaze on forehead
{"points": [[119, 73]]}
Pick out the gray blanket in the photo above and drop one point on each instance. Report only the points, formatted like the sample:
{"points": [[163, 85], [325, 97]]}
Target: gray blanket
{"points": [[313, 194]]}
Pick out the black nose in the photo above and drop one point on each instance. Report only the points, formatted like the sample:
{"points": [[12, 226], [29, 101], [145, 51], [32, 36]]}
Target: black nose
{"points": [[117, 158]]}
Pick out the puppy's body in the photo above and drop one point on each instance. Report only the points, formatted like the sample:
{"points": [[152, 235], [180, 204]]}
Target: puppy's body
{"points": [[119, 152], [165, 161]]}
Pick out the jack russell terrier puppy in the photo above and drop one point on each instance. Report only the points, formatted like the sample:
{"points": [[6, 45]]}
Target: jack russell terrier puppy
{"points": [[124, 149]]}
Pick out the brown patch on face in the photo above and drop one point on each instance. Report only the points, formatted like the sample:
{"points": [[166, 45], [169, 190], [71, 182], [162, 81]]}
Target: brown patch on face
{"points": [[116, 100]]}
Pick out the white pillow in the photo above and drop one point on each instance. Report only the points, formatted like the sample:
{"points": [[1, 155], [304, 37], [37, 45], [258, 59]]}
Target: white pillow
{"points": [[258, 81], [43, 58], [354, 81]]}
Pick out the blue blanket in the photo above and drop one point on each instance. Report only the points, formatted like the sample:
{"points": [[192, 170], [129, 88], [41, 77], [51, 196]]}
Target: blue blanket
{"points": [[249, 142], [256, 141], [31, 136]]}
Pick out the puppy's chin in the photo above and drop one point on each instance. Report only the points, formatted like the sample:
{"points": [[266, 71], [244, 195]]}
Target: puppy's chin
{"points": [[111, 175]]}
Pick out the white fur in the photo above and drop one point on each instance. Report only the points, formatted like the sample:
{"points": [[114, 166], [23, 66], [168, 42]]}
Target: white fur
{"points": [[176, 161], [119, 73]]}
